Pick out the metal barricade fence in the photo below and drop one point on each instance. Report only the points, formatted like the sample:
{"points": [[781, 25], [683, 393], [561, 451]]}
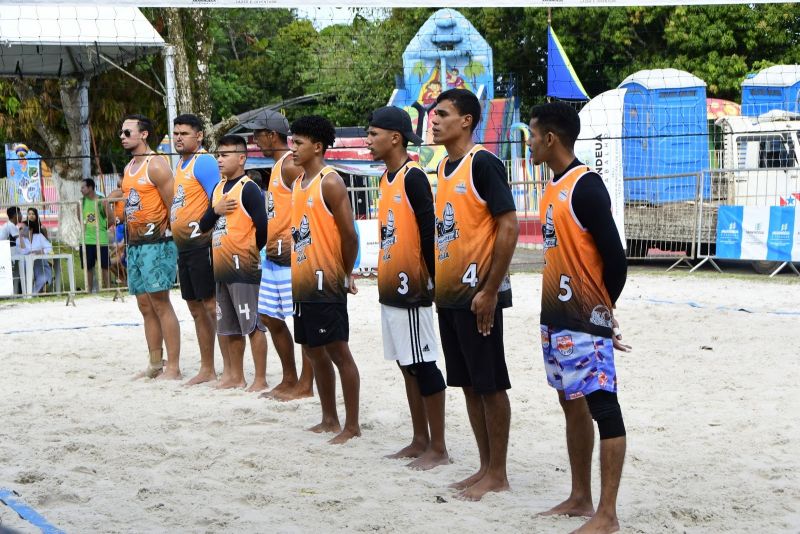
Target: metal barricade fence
{"points": [[109, 272], [46, 265], [763, 187], [662, 216]]}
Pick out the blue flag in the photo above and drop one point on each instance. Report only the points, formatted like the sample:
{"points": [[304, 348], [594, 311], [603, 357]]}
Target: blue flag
{"points": [[562, 81]]}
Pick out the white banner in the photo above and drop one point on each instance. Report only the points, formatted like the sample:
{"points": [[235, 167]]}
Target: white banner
{"points": [[369, 244], [600, 147], [387, 3], [6, 277]]}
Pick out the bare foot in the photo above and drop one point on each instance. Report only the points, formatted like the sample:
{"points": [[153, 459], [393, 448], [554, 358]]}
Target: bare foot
{"points": [[258, 385], [469, 481], [230, 384], [294, 394], [482, 487], [572, 508], [414, 450], [148, 373], [344, 436], [202, 377], [170, 374], [599, 525], [280, 388], [326, 426], [429, 459]]}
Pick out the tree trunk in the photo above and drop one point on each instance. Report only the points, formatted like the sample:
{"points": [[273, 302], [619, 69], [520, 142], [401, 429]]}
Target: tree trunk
{"points": [[183, 81], [203, 46], [66, 154]]}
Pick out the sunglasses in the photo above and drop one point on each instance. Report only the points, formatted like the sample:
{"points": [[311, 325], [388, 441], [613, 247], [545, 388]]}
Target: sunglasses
{"points": [[126, 133]]}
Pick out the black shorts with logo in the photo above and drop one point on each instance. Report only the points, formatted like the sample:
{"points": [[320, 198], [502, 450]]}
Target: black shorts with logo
{"points": [[196, 274], [319, 323], [472, 359]]}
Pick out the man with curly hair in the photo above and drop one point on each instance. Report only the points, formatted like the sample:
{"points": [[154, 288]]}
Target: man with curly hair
{"points": [[324, 251]]}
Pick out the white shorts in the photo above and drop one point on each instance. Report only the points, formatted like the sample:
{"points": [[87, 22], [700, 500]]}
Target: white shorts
{"points": [[275, 293], [408, 334]]}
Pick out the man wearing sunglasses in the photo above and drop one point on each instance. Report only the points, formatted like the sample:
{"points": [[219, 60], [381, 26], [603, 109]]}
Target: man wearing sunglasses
{"points": [[152, 256]]}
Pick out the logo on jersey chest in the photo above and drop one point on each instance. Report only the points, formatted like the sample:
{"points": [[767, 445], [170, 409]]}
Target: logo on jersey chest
{"points": [[220, 230], [461, 188], [388, 237], [302, 238], [178, 201], [270, 206], [397, 198], [549, 230], [562, 195], [132, 204], [446, 231]]}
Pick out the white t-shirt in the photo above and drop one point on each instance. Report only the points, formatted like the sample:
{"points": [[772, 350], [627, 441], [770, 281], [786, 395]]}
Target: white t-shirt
{"points": [[10, 231], [38, 245]]}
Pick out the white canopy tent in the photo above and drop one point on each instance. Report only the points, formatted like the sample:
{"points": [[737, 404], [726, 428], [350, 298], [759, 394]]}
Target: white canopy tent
{"points": [[57, 41]]}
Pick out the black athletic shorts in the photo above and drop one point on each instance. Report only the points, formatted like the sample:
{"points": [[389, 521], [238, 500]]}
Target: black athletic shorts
{"points": [[320, 323], [196, 274], [472, 359], [91, 256]]}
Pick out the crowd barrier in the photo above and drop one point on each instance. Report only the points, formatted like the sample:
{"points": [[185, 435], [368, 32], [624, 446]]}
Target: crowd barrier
{"points": [[751, 217]]}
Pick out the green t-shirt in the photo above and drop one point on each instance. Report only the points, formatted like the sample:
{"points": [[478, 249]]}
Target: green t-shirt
{"points": [[92, 211]]}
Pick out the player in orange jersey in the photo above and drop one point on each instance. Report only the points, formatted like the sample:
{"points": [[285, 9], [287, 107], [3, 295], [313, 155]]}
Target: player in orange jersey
{"points": [[477, 231], [196, 176], [239, 221], [584, 273], [152, 256], [405, 284], [270, 132], [323, 254]]}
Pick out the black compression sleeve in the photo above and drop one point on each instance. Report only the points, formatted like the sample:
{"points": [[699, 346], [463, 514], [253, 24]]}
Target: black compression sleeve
{"points": [[209, 219], [491, 182], [253, 202], [418, 190], [592, 206]]}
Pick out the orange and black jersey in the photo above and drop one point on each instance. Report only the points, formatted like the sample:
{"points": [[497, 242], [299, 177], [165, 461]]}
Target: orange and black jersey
{"points": [[237, 237], [146, 217], [406, 259], [195, 180], [279, 212], [470, 193], [318, 272], [585, 265]]}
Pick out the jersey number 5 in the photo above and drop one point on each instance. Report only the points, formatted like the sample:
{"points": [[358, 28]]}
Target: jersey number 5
{"points": [[564, 289]]}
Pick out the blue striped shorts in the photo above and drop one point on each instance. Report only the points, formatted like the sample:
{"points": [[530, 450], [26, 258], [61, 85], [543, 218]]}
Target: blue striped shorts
{"points": [[275, 294]]}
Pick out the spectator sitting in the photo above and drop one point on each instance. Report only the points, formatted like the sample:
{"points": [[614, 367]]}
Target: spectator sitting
{"points": [[33, 217], [32, 241]]}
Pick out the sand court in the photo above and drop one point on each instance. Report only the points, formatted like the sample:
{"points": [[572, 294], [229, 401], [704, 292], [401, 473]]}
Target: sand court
{"points": [[709, 396]]}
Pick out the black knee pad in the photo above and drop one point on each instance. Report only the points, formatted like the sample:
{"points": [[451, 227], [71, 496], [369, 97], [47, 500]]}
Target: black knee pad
{"points": [[429, 377], [605, 409]]}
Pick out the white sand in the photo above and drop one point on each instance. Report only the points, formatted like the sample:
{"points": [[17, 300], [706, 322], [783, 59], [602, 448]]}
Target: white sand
{"points": [[713, 434]]}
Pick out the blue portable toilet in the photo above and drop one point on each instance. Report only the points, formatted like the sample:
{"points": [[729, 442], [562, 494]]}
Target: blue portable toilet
{"points": [[664, 132], [776, 87]]}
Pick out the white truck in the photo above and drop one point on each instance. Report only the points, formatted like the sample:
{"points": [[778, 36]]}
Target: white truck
{"points": [[761, 153]]}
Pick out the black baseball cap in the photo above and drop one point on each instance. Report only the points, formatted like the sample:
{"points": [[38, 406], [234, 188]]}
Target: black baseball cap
{"points": [[397, 119], [269, 120]]}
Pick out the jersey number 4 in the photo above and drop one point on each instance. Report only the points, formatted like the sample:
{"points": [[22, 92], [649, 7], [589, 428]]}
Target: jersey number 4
{"points": [[470, 276]]}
